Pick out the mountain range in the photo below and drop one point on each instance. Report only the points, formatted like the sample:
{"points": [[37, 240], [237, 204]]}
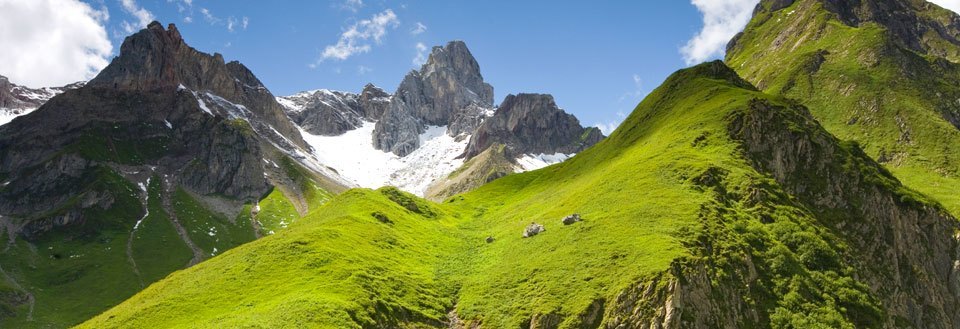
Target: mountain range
{"points": [[806, 181]]}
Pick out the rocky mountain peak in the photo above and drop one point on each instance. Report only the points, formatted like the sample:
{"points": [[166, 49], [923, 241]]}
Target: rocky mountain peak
{"points": [[532, 124], [447, 91], [156, 58]]}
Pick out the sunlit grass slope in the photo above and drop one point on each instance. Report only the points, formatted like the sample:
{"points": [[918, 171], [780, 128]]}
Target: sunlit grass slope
{"points": [[862, 85], [387, 259]]}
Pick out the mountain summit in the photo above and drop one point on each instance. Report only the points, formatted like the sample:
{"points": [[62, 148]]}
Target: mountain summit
{"points": [[423, 137]]}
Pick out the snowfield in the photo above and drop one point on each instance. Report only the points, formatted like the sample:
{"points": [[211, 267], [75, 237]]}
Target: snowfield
{"points": [[353, 156], [530, 162]]}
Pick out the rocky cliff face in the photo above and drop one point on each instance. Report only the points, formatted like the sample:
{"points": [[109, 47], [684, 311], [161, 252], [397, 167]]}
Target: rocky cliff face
{"points": [[532, 124], [907, 245], [447, 89], [331, 113], [159, 59]]}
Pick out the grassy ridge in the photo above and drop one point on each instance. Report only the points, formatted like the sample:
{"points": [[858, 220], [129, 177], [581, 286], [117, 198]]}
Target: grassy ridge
{"points": [[861, 85], [334, 271]]}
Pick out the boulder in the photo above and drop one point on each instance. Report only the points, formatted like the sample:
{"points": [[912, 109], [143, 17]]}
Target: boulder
{"points": [[533, 229], [571, 219]]}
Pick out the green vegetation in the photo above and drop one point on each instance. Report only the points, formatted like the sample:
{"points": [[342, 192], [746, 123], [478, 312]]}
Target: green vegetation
{"points": [[210, 231], [668, 188], [75, 272], [157, 230], [862, 85], [97, 144], [337, 270]]}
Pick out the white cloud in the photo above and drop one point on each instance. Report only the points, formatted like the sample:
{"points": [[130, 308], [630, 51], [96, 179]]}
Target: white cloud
{"points": [[421, 54], [143, 16], [352, 5], [356, 38], [230, 23], [610, 126], [953, 5], [56, 41], [637, 92], [420, 28], [188, 19], [364, 70], [209, 16], [246, 22], [607, 128], [722, 19]]}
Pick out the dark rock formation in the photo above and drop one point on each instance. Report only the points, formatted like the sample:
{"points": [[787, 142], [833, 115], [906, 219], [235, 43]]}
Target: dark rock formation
{"points": [[571, 219], [160, 103], [373, 102], [158, 59], [324, 112], [447, 89], [532, 124], [331, 113]]}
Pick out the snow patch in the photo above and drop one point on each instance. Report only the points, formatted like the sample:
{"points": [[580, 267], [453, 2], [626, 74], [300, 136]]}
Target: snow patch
{"points": [[203, 106], [7, 115], [146, 200], [529, 162], [353, 156]]}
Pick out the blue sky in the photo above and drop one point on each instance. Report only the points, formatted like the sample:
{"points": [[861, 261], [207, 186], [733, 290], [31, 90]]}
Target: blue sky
{"points": [[598, 58]]}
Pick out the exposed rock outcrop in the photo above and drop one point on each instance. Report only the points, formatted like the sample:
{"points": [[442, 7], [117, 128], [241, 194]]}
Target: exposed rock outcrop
{"points": [[158, 59], [447, 89], [533, 229], [532, 124], [331, 113]]}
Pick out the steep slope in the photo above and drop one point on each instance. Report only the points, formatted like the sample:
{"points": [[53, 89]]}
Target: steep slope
{"points": [[156, 164], [883, 73], [16, 100], [713, 205], [417, 139]]}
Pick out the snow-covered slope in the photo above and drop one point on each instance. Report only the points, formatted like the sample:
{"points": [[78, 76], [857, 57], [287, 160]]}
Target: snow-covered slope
{"points": [[16, 100], [355, 159], [353, 156]]}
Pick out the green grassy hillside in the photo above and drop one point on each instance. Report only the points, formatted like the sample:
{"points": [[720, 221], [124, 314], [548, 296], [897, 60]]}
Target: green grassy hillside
{"points": [[669, 201], [865, 85], [66, 276]]}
